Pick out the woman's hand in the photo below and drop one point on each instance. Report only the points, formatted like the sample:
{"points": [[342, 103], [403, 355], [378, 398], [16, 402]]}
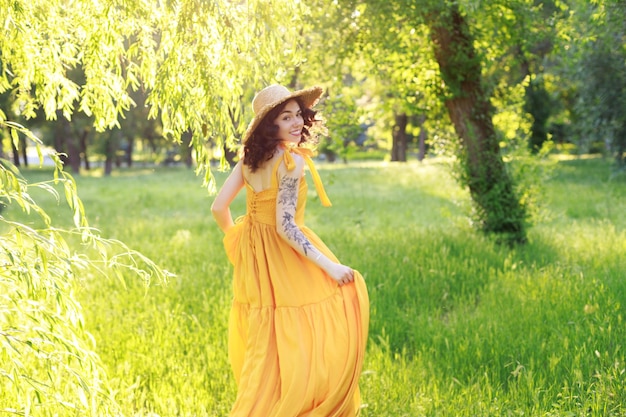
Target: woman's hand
{"points": [[340, 273]]}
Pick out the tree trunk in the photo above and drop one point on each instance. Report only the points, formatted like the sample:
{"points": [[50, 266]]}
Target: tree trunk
{"points": [[470, 110], [399, 144], [185, 148], [73, 151], [16, 154], [110, 150], [83, 148], [537, 104], [59, 141], [620, 156], [422, 138], [64, 143], [293, 83], [2, 155], [129, 152], [229, 154], [108, 165], [24, 150]]}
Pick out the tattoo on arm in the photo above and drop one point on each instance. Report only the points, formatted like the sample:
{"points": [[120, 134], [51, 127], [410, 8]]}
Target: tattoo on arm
{"points": [[287, 201], [288, 192]]}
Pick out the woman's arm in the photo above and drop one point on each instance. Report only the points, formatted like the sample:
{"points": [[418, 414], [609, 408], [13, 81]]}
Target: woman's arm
{"points": [[286, 202], [221, 205]]}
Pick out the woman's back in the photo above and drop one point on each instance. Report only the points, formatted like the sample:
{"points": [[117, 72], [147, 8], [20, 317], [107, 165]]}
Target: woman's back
{"points": [[261, 178]]}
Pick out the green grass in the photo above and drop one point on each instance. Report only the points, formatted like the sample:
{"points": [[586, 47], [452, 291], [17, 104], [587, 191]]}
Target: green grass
{"points": [[459, 325]]}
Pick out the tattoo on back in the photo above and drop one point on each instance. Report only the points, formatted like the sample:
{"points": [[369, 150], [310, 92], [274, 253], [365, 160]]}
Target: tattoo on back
{"points": [[288, 199]]}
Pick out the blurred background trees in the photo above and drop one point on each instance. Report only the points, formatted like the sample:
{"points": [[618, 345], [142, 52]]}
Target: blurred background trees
{"points": [[596, 67], [376, 57], [117, 84]]}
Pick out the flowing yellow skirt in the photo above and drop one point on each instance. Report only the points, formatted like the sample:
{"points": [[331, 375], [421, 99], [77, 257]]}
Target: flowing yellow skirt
{"points": [[296, 338]]}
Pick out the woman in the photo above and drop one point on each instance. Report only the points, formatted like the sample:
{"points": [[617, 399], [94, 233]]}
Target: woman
{"points": [[299, 319]]}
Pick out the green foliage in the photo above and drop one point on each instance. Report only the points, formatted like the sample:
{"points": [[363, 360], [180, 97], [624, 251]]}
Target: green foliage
{"points": [[400, 59], [342, 124], [602, 96], [48, 363], [538, 104], [497, 209], [199, 61], [592, 75]]}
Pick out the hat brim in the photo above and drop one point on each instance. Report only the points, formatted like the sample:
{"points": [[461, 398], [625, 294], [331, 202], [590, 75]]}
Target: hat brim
{"points": [[309, 97]]}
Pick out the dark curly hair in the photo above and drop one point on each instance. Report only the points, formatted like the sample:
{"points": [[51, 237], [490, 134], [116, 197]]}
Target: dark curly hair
{"points": [[263, 143]]}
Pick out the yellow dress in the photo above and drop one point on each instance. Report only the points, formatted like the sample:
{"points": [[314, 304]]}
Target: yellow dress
{"points": [[296, 338]]}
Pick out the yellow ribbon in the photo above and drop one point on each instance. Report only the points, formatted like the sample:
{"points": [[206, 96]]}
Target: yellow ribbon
{"points": [[306, 153]]}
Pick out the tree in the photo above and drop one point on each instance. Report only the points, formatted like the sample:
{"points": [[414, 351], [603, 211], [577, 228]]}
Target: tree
{"points": [[526, 32], [47, 357], [466, 99], [17, 146], [397, 57], [343, 126], [594, 58], [471, 113]]}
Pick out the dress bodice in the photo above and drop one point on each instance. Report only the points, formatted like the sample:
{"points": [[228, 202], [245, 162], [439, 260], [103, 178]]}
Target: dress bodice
{"points": [[261, 205]]}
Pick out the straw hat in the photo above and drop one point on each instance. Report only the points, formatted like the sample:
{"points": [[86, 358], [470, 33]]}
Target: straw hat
{"points": [[274, 95]]}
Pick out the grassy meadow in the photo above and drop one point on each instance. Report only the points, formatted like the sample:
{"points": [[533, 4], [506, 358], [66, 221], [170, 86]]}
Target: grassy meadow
{"points": [[460, 326]]}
